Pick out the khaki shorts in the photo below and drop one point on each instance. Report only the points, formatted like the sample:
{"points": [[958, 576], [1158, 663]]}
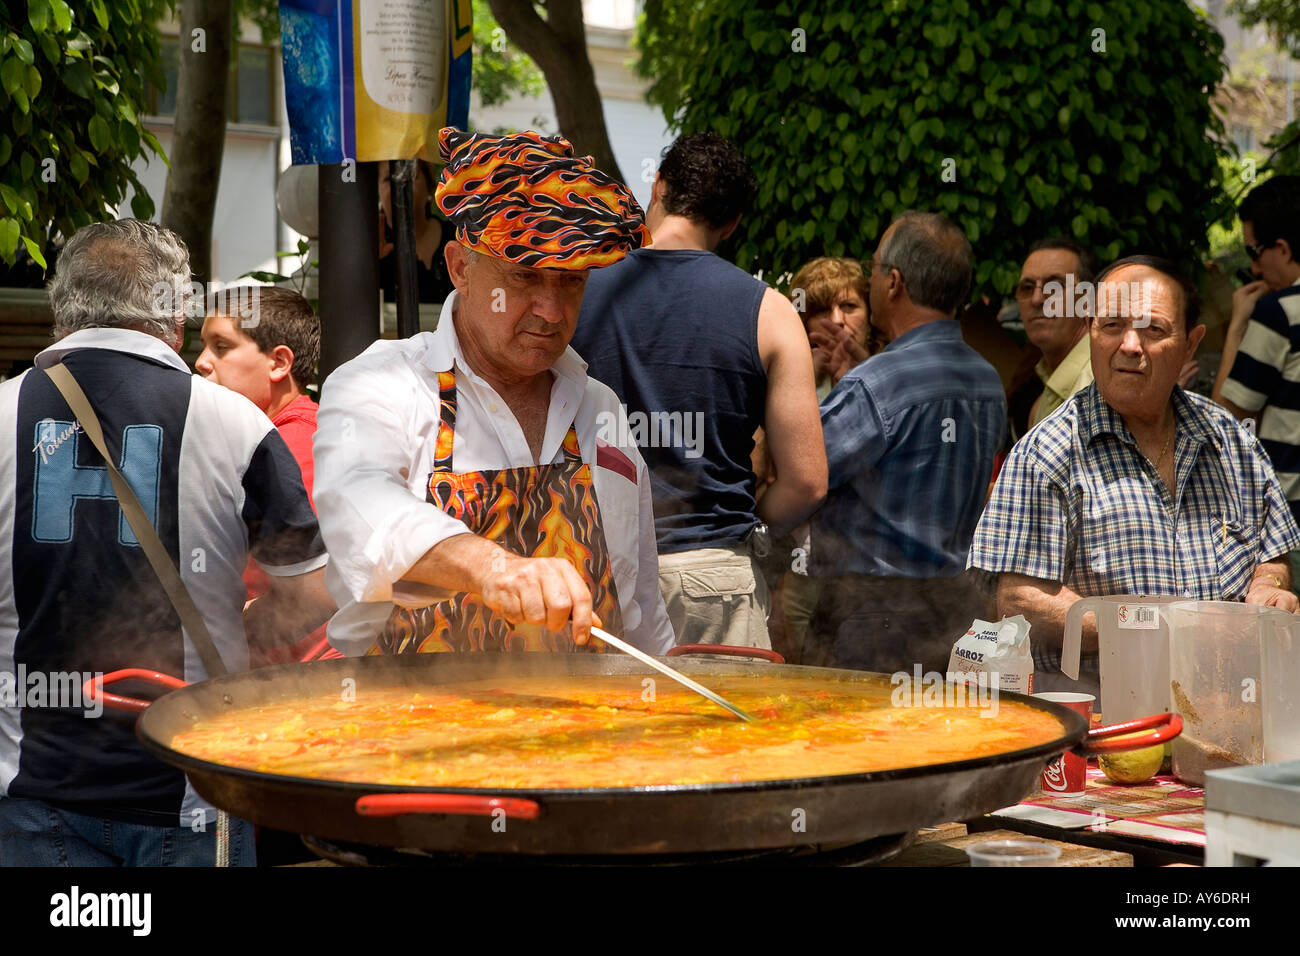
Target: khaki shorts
{"points": [[715, 596]]}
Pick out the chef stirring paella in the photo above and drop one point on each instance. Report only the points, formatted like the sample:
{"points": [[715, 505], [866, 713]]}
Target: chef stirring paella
{"points": [[606, 731]]}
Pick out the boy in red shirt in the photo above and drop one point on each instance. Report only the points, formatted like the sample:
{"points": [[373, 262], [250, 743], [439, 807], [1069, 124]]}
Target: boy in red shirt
{"points": [[264, 342]]}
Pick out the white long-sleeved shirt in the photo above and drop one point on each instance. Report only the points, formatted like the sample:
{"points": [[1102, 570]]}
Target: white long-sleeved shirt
{"points": [[374, 450]]}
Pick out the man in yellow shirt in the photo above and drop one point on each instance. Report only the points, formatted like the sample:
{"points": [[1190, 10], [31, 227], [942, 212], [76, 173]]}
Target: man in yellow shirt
{"points": [[1047, 298]]}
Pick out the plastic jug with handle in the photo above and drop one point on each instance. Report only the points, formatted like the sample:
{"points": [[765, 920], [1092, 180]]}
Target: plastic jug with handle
{"points": [[1214, 674], [1133, 652]]}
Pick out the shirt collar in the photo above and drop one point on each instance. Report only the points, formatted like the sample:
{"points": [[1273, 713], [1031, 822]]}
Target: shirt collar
{"points": [[117, 340], [444, 353], [300, 409], [1097, 418], [927, 331], [1059, 379]]}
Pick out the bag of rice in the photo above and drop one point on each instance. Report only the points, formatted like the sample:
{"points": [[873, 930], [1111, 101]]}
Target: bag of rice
{"points": [[1000, 650]]}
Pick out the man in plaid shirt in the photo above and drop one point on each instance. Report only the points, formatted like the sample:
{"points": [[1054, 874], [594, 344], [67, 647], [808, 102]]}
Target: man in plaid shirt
{"points": [[1134, 486]]}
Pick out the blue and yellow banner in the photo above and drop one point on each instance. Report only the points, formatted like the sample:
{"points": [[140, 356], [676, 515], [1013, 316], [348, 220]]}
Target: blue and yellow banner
{"points": [[374, 79]]}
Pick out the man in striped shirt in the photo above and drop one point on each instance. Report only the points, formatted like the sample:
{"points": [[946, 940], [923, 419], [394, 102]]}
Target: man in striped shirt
{"points": [[1259, 375], [1134, 486]]}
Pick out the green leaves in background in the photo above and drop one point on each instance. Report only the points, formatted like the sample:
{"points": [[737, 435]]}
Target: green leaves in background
{"points": [[71, 96], [1046, 134]]}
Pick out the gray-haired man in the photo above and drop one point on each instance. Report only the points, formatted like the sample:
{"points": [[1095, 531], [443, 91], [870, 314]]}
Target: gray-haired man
{"points": [[911, 434], [77, 594]]}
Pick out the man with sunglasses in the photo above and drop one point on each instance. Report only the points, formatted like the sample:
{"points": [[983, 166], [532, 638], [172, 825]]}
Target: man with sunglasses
{"points": [[1259, 375]]}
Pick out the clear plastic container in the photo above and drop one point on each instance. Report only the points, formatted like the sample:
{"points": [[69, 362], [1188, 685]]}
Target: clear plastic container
{"points": [[1280, 686], [1214, 678], [1013, 853]]}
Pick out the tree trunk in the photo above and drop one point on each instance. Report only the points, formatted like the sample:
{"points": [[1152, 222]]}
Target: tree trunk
{"points": [[558, 45], [199, 136]]}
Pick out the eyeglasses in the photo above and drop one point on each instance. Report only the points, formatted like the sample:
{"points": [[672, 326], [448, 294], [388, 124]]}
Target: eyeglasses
{"points": [[1256, 251]]}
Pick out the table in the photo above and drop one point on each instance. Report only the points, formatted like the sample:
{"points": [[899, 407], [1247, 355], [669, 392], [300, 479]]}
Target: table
{"points": [[1158, 823], [945, 845]]}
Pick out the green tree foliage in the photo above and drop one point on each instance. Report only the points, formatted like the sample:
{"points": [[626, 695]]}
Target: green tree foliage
{"points": [[1069, 117], [71, 94], [1285, 146], [501, 70], [1280, 17]]}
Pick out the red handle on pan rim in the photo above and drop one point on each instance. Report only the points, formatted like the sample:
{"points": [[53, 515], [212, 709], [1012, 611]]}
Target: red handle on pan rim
{"points": [[1168, 727], [400, 804], [727, 650], [94, 688]]}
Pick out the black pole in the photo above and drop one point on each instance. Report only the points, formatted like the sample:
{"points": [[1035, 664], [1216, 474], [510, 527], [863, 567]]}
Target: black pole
{"points": [[349, 262], [408, 280]]}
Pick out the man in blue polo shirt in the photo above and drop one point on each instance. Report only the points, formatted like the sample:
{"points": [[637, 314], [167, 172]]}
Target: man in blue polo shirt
{"points": [[911, 434]]}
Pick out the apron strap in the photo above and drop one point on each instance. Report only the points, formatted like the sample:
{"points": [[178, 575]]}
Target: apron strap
{"points": [[442, 459]]}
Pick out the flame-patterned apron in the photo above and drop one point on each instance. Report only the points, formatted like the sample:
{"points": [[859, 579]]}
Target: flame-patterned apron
{"points": [[537, 511]]}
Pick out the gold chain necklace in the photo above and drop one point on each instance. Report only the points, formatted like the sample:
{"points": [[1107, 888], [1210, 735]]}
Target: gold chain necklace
{"points": [[1163, 451]]}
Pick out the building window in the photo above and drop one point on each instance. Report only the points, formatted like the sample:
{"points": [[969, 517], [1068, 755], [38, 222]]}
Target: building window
{"points": [[252, 94], [250, 97]]}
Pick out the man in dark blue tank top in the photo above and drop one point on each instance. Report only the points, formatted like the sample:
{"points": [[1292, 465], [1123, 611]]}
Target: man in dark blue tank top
{"points": [[702, 355]]}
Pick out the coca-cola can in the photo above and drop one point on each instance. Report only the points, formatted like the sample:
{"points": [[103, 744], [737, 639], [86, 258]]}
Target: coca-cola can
{"points": [[1067, 775]]}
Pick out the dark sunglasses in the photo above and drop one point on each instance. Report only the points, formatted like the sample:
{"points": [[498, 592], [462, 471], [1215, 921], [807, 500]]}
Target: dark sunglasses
{"points": [[1256, 251]]}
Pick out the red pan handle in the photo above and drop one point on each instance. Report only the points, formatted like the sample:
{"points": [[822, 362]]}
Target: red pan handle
{"points": [[1168, 727], [400, 804], [94, 688], [727, 650]]}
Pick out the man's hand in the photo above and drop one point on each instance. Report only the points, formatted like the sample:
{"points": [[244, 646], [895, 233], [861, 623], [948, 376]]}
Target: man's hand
{"points": [[1243, 305], [292, 608], [1267, 595], [1271, 586], [546, 591], [842, 351], [1188, 372]]}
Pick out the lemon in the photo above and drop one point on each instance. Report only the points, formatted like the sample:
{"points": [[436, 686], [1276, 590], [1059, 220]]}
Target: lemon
{"points": [[1135, 766]]}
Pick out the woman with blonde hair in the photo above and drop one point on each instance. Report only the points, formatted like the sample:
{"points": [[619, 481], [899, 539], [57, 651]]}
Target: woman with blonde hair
{"points": [[831, 295]]}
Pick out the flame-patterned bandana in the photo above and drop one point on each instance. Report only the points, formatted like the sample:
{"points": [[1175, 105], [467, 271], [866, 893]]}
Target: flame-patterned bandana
{"points": [[528, 199]]}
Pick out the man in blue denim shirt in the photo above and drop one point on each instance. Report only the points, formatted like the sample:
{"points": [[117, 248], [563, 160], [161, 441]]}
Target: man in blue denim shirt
{"points": [[911, 435]]}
